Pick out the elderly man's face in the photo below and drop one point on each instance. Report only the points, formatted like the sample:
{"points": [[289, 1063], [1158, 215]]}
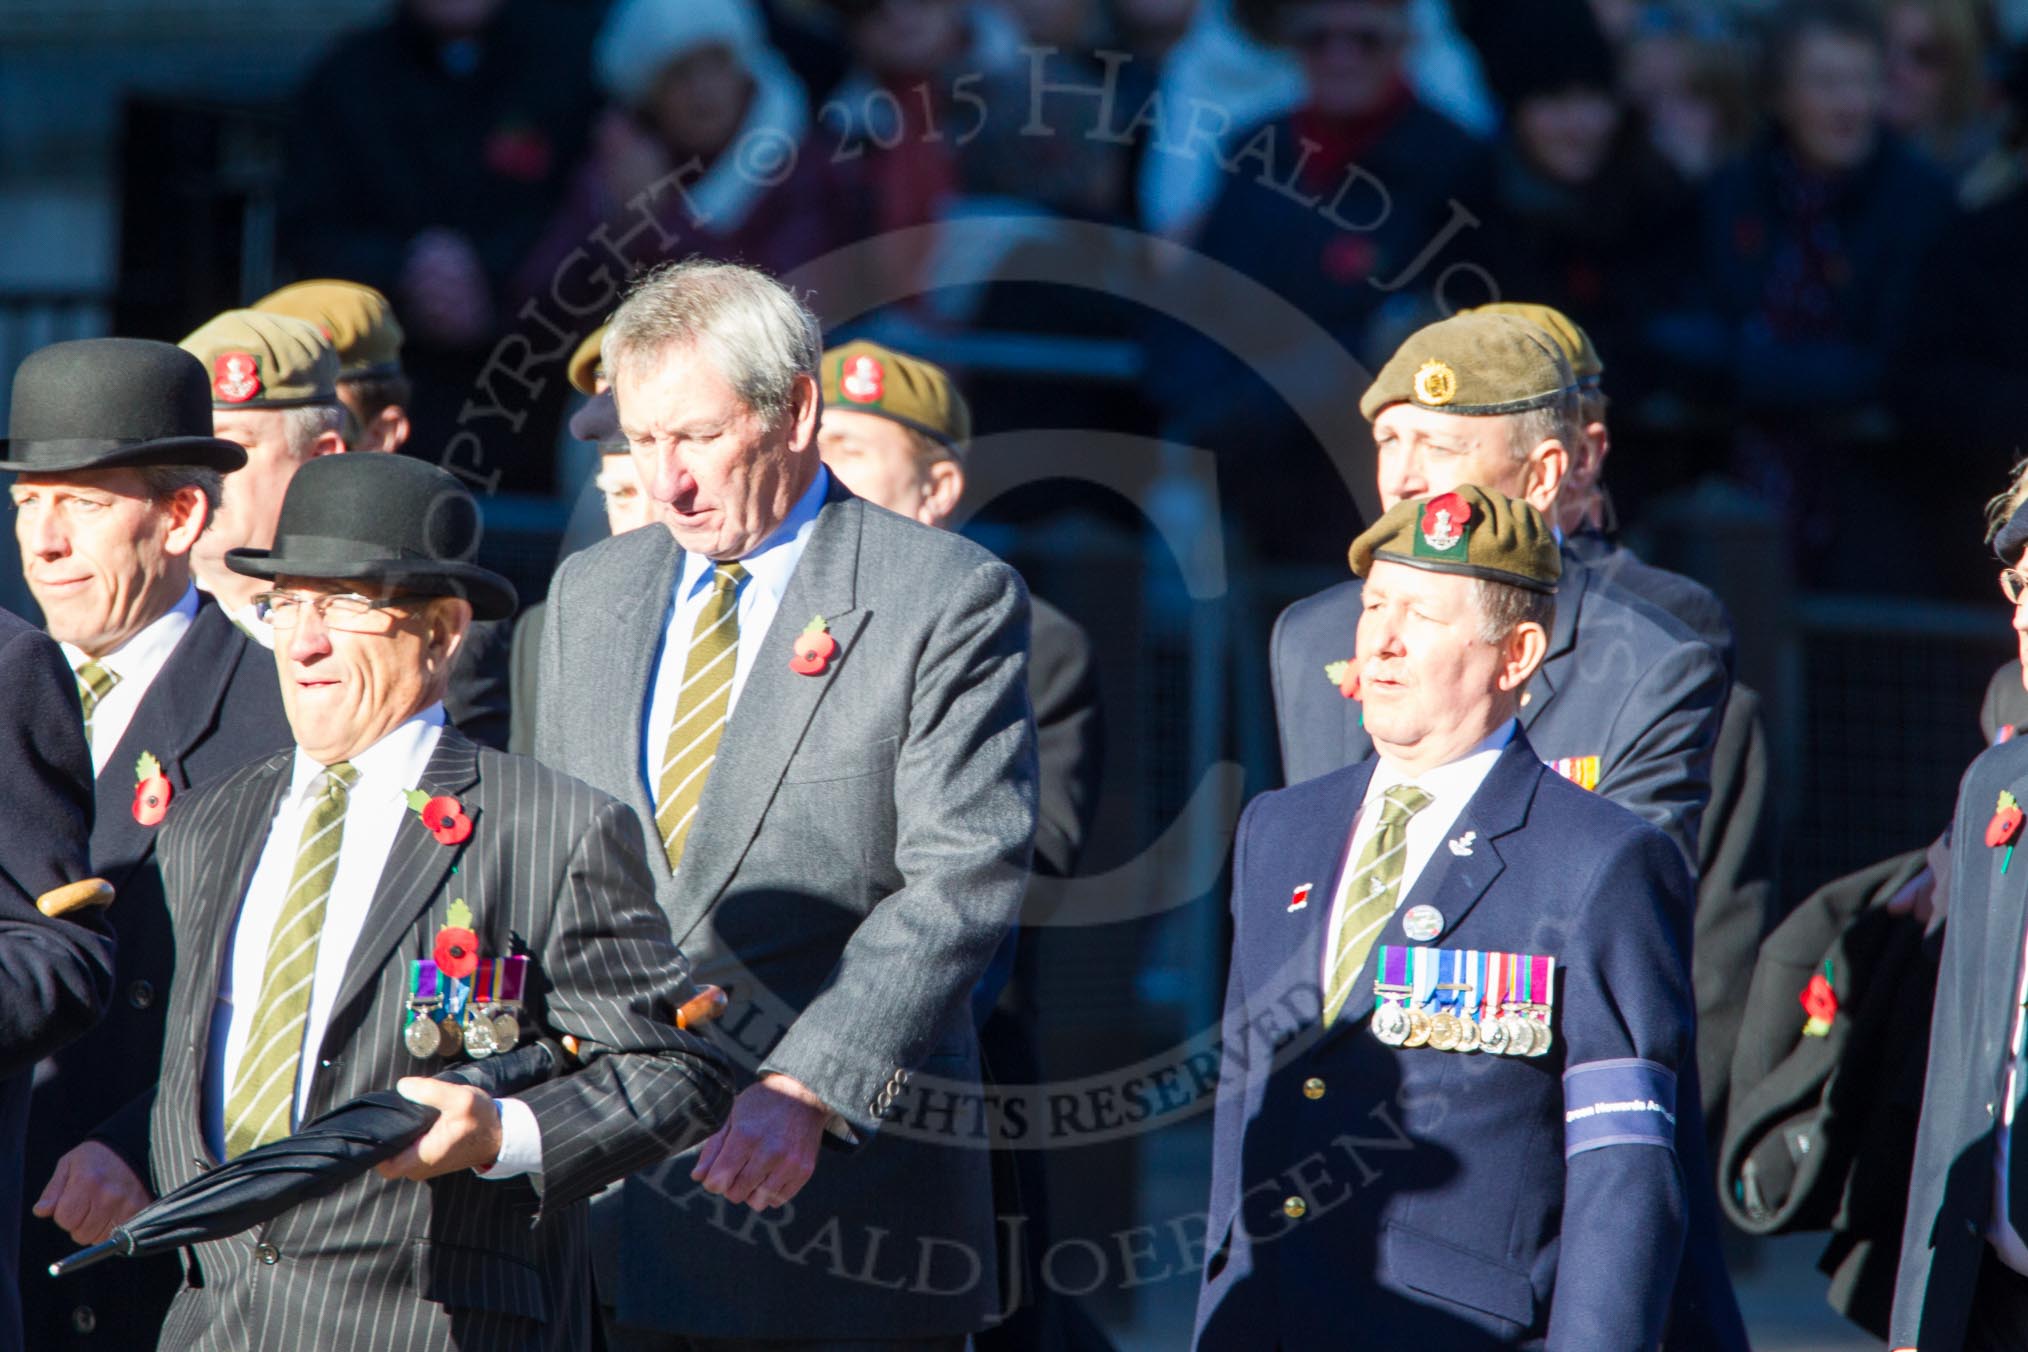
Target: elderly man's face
{"points": [[878, 460], [1431, 688], [619, 485], [346, 686], [253, 493], [103, 557], [1422, 452], [721, 477]]}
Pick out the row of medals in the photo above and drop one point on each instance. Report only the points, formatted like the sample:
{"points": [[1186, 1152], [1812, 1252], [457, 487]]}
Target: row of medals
{"points": [[1518, 1030], [485, 1031]]}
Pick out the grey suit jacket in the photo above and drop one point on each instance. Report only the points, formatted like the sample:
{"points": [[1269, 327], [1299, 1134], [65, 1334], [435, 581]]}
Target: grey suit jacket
{"points": [[860, 850], [1622, 681], [553, 869], [1950, 1199]]}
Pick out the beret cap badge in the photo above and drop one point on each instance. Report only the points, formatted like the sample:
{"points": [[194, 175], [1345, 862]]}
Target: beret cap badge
{"points": [[1436, 384], [236, 377], [863, 380]]}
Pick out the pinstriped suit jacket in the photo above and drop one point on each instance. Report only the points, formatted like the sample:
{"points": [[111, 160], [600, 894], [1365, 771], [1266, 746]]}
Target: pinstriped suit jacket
{"points": [[553, 869]]}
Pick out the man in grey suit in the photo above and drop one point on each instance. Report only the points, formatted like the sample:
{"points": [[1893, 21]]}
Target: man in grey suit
{"points": [[381, 899], [819, 711]]}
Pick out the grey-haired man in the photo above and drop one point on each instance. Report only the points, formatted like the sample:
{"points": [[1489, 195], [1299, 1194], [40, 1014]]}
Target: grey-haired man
{"points": [[819, 711]]}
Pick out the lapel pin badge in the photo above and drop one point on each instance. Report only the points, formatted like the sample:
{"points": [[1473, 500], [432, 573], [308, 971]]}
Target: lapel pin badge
{"points": [[814, 649], [151, 790], [2005, 828], [1301, 897], [1422, 923], [1462, 846], [1344, 675], [443, 815]]}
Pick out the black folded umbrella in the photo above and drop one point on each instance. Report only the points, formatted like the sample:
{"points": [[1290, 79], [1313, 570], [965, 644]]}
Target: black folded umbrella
{"points": [[323, 1155]]}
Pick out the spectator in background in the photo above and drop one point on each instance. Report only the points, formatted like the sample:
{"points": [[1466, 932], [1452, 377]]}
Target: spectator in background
{"points": [[424, 156], [1687, 74], [888, 137], [1301, 215], [1938, 95], [1812, 246], [697, 92], [1583, 213]]}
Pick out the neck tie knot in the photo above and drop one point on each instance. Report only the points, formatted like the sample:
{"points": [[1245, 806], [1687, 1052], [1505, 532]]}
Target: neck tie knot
{"points": [[728, 576], [1401, 802], [337, 780], [95, 681]]}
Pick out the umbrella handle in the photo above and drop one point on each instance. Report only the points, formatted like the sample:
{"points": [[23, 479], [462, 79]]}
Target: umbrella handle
{"points": [[87, 894], [698, 1010], [121, 1245]]}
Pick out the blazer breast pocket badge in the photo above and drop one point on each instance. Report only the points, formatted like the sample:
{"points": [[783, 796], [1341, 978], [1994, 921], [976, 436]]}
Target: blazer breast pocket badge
{"points": [[1464, 1000]]}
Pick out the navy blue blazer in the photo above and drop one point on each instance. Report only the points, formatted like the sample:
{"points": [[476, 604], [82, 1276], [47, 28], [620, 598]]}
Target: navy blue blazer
{"points": [[55, 975], [1950, 1200], [215, 705], [1623, 682], [1437, 1206]]}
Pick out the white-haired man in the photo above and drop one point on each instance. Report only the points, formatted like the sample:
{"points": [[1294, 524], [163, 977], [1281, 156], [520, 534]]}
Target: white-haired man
{"points": [[819, 711]]}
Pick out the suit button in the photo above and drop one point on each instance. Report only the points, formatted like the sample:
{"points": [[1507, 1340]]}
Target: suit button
{"points": [[84, 1319], [140, 995], [268, 1254], [1294, 1208], [1313, 1088]]}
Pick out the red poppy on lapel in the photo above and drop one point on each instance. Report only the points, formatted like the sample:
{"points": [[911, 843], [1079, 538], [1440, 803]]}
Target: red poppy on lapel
{"points": [[443, 815], [814, 649], [456, 952], [1344, 675], [1820, 1002], [2005, 828], [151, 791]]}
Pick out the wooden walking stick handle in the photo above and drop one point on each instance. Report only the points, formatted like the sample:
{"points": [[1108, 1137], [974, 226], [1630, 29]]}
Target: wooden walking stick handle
{"points": [[86, 894]]}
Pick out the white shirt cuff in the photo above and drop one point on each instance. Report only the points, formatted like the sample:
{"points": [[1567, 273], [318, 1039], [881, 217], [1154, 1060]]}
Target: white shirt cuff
{"points": [[520, 1143]]}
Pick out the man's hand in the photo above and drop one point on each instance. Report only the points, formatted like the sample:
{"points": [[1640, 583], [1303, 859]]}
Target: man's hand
{"points": [[466, 1134], [1927, 895], [91, 1191], [767, 1149]]}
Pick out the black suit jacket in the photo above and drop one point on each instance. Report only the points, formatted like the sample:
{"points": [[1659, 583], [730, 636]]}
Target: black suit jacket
{"points": [[215, 705], [554, 870], [55, 975]]}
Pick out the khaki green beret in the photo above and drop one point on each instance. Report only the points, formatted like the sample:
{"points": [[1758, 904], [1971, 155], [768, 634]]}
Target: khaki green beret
{"points": [[1479, 365], [1584, 360], [261, 360], [356, 319], [1467, 531], [869, 378], [585, 365]]}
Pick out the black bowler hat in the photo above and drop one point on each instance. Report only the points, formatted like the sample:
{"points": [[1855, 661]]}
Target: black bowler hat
{"points": [[112, 403], [388, 519]]}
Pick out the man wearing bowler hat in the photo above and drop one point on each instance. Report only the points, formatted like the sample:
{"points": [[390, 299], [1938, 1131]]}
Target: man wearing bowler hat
{"points": [[275, 390], [114, 478], [384, 898], [56, 975]]}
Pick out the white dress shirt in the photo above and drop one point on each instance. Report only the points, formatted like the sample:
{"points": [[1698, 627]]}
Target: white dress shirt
{"points": [[2006, 1241], [376, 812], [137, 663], [760, 596], [1450, 787]]}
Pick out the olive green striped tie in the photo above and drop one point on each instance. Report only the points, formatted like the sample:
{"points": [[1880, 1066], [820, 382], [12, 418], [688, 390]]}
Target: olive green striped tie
{"points": [[94, 682], [1370, 891], [264, 1090], [702, 706]]}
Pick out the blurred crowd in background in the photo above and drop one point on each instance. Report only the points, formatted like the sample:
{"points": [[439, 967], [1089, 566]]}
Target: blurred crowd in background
{"points": [[1789, 227]]}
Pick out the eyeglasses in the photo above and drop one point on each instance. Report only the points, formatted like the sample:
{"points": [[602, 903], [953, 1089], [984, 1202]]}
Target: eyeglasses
{"points": [[2013, 582], [347, 612]]}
